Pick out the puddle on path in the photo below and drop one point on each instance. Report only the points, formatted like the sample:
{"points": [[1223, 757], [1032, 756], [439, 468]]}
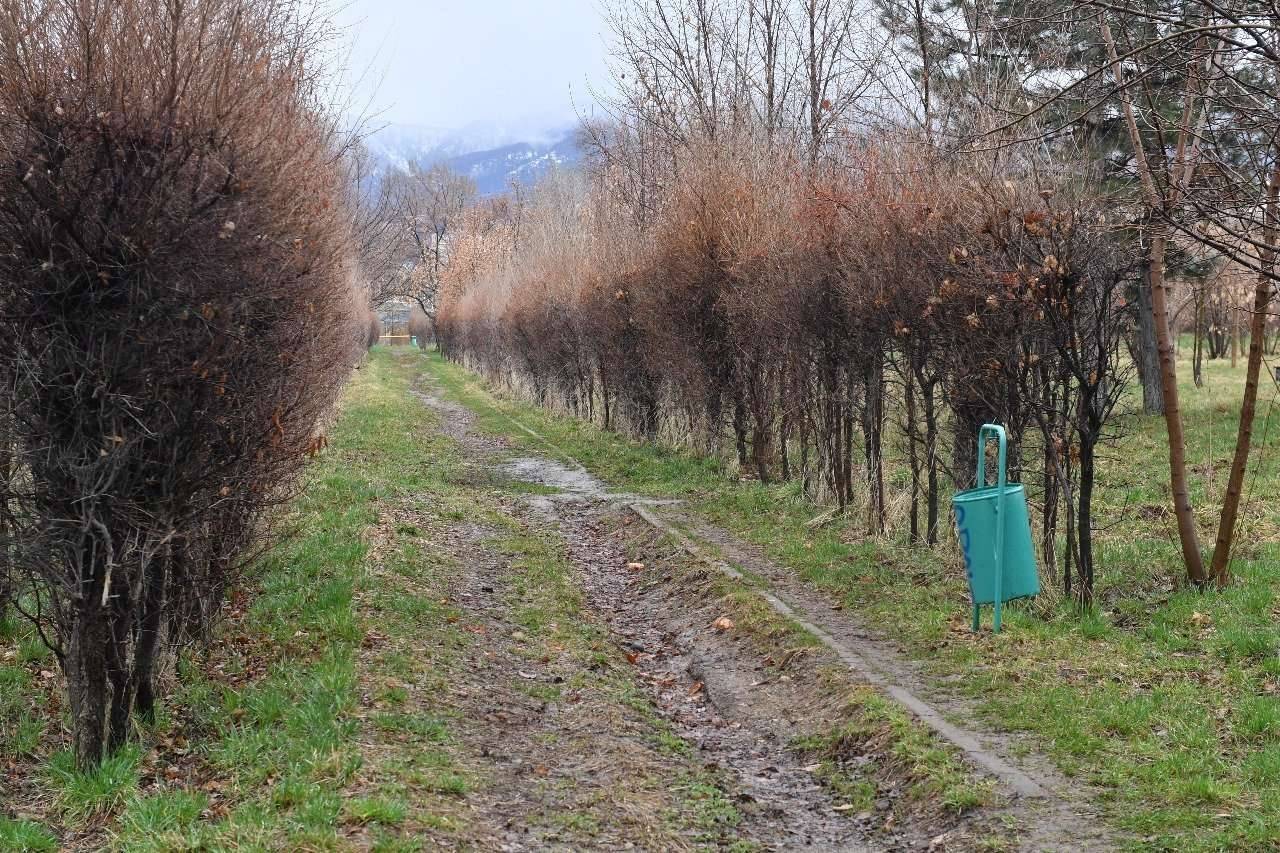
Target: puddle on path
{"points": [[545, 472], [573, 483]]}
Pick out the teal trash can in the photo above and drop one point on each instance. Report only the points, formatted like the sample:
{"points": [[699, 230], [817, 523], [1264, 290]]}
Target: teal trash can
{"points": [[995, 535]]}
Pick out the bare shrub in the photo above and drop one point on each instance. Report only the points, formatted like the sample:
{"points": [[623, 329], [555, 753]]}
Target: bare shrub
{"points": [[802, 312], [421, 329], [174, 315]]}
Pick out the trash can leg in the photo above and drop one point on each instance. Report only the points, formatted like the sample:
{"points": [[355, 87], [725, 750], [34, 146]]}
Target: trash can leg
{"points": [[977, 618]]}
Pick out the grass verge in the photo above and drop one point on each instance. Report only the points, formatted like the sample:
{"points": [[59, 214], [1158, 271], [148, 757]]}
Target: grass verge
{"points": [[260, 741]]}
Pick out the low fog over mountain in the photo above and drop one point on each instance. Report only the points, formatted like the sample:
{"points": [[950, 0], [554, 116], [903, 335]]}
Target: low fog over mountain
{"points": [[492, 154]]}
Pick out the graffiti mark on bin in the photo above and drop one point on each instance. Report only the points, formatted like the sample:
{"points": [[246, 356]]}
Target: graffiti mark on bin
{"points": [[964, 541]]}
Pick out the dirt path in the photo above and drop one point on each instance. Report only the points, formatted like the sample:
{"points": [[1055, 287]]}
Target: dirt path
{"points": [[578, 712], [742, 720], [1055, 813]]}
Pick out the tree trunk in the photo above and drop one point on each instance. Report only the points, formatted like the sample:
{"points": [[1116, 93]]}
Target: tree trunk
{"points": [[1049, 511], [913, 450], [713, 412], [605, 393], [1084, 522], [832, 434], [1148, 353], [931, 459], [1187, 533], [762, 443], [7, 582], [740, 430], [591, 396], [1197, 348], [784, 423], [848, 437], [804, 432], [1160, 203], [85, 666], [148, 641], [1235, 336], [872, 428], [1220, 567]]}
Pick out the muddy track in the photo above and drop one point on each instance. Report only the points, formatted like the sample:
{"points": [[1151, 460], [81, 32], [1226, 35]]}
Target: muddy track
{"points": [[693, 678], [687, 680], [1055, 813], [1052, 812]]}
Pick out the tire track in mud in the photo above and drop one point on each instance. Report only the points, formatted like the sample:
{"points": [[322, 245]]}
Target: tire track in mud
{"points": [[1053, 813], [778, 804], [1050, 808], [690, 675]]}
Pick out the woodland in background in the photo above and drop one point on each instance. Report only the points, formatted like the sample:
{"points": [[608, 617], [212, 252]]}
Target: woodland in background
{"points": [[809, 236]]}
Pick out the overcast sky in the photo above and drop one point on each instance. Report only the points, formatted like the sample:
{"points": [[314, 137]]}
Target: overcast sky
{"points": [[448, 64]]}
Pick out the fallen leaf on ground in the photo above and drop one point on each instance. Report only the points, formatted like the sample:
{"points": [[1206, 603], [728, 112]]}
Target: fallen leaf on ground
{"points": [[635, 567], [724, 623], [696, 688]]}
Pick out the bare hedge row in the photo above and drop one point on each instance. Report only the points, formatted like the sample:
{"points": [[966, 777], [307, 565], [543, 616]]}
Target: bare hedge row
{"points": [[803, 319], [176, 316]]}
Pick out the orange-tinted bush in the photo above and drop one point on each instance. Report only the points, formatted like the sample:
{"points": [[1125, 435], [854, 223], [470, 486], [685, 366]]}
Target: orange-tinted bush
{"points": [[799, 312]]}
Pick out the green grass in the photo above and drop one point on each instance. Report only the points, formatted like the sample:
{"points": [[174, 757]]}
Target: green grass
{"points": [[87, 794], [270, 709], [24, 836], [383, 810], [24, 677], [932, 771], [1164, 698], [285, 744], [344, 638], [712, 811], [1168, 700], [166, 821]]}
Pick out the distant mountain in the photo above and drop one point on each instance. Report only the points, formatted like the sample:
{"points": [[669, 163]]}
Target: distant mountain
{"points": [[524, 162], [493, 155]]}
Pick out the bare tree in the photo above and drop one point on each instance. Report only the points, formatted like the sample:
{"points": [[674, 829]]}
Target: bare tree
{"points": [[1195, 87], [425, 207], [1162, 192]]}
